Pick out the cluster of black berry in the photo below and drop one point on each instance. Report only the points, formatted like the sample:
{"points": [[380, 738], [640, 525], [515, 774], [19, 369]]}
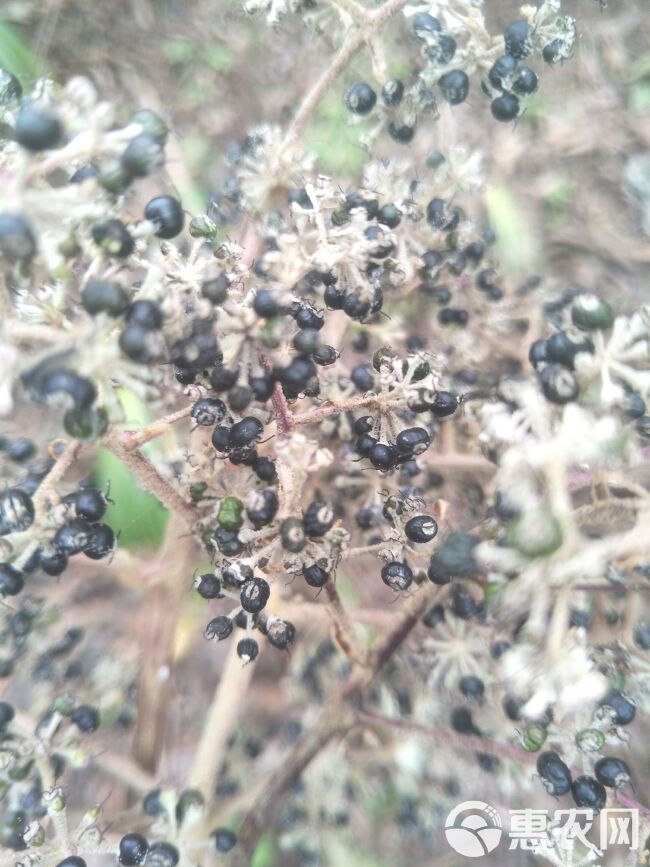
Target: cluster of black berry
{"points": [[507, 81], [297, 538], [252, 594], [79, 529], [567, 360]]}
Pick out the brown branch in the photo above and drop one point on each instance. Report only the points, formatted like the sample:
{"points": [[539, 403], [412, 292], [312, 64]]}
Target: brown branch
{"points": [[327, 409], [150, 478], [353, 43], [125, 770], [365, 550], [134, 439], [479, 744], [61, 466], [27, 332], [284, 418], [336, 719], [409, 615]]}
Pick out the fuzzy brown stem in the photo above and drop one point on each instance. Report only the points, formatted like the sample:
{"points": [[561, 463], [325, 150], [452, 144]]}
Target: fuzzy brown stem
{"points": [[316, 415], [284, 418], [134, 439], [150, 479], [46, 491]]}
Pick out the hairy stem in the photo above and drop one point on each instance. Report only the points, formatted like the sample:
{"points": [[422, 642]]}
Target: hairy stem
{"points": [[46, 492], [330, 408], [364, 550], [150, 479], [134, 439], [284, 418]]}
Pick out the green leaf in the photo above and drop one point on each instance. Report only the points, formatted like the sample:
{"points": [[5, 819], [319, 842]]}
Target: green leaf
{"points": [[640, 67], [16, 56], [265, 852], [557, 200], [178, 50], [492, 590], [218, 57], [640, 98], [516, 246], [334, 141]]}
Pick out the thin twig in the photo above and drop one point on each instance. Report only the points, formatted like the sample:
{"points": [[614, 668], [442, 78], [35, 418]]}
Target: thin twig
{"points": [[134, 439], [284, 418], [125, 770], [364, 550], [351, 45], [28, 332], [328, 409], [61, 466]]}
